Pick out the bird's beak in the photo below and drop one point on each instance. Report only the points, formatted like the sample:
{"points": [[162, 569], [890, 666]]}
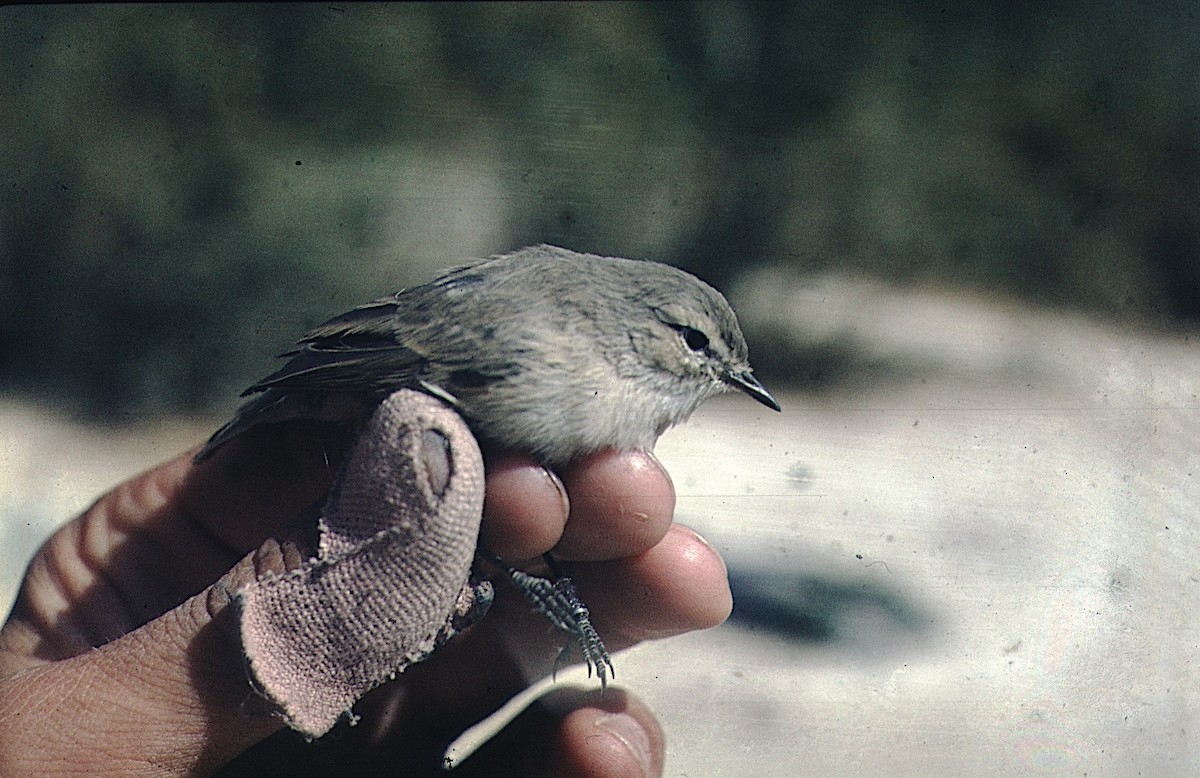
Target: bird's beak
{"points": [[746, 381]]}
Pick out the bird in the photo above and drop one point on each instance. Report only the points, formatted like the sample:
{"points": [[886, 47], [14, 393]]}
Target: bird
{"points": [[544, 350]]}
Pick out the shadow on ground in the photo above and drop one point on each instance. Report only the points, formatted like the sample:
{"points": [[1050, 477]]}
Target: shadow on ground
{"points": [[856, 615]]}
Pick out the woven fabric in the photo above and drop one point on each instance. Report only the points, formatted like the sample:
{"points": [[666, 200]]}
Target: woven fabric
{"points": [[390, 581]]}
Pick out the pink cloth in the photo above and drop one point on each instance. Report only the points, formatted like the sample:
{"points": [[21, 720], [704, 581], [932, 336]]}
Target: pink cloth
{"points": [[390, 581]]}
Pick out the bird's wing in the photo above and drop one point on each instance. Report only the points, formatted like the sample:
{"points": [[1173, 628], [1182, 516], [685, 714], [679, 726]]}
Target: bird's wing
{"points": [[359, 351]]}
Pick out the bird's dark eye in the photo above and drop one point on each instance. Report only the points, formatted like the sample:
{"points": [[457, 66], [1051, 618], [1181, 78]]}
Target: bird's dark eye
{"points": [[695, 339]]}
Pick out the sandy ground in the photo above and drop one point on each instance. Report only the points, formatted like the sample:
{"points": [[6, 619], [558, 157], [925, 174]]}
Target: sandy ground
{"points": [[986, 563]]}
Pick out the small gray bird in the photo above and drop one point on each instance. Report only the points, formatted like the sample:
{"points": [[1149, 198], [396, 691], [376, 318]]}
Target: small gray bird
{"points": [[544, 350]]}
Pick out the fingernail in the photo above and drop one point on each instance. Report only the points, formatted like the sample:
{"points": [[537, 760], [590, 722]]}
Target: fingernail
{"points": [[557, 483], [654, 460], [627, 729], [700, 538], [435, 451]]}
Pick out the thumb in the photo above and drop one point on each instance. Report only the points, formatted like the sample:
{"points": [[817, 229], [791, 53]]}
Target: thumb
{"points": [[187, 708]]}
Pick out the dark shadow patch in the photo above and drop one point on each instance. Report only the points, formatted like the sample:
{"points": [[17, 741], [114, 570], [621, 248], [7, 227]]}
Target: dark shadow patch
{"points": [[860, 614]]}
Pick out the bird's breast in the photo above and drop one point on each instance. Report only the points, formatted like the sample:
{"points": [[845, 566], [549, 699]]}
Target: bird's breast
{"points": [[558, 418]]}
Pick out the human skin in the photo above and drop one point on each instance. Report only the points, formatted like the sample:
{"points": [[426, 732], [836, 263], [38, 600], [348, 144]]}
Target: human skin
{"points": [[120, 656]]}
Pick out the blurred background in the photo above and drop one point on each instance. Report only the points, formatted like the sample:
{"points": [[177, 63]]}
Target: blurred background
{"points": [[963, 239], [187, 188]]}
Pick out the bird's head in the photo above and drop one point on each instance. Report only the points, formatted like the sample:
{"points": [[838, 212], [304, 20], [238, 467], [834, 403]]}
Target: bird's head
{"points": [[690, 331]]}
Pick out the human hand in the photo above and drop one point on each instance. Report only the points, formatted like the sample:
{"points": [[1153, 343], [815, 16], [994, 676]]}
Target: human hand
{"points": [[166, 691]]}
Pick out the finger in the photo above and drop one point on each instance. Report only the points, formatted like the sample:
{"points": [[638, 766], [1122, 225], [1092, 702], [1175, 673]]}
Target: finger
{"points": [[575, 732], [189, 689], [569, 731], [479, 671], [160, 538], [525, 508], [681, 585], [621, 505], [613, 504], [678, 586]]}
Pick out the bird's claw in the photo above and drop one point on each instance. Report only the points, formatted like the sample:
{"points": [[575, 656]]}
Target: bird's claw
{"points": [[558, 601], [578, 625]]}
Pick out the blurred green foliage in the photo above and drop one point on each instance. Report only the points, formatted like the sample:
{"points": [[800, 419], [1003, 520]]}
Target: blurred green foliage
{"points": [[185, 188]]}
